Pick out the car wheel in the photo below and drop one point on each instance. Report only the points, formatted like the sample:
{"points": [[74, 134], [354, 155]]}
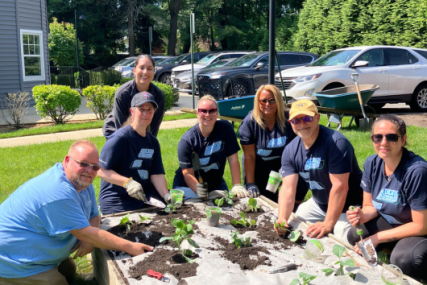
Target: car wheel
{"points": [[166, 78], [419, 99], [332, 86], [368, 110]]}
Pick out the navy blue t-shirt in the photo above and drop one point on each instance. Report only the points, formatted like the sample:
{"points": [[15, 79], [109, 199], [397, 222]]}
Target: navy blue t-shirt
{"points": [[212, 150], [130, 155], [331, 153], [269, 146], [405, 190]]}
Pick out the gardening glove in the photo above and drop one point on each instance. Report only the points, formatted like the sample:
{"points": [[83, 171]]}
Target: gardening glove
{"points": [[252, 190], [240, 191], [202, 190], [168, 198], [135, 190]]}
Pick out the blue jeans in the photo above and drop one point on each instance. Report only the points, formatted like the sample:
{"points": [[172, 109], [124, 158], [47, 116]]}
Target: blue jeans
{"points": [[188, 193]]}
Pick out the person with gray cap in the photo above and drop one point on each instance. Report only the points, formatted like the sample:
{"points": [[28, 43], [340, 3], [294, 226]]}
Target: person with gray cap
{"points": [[132, 168]]}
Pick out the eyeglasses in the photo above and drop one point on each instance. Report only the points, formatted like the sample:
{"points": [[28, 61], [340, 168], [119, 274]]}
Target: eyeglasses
{"points": [[306, 119], [148, 111], [270, 101], [391, 138], [211, 112], [94, 167]]}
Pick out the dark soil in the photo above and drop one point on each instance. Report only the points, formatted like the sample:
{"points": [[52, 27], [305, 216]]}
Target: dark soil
{"points": [[241, 255], [134, 233], [163, 220], [157, 261], [266, 233]]}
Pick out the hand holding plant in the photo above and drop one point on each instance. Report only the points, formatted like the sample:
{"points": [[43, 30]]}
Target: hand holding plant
{"points": [[282, 228]]}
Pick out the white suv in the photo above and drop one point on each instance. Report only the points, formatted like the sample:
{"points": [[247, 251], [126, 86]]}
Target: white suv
{"points": [[401, 73]]}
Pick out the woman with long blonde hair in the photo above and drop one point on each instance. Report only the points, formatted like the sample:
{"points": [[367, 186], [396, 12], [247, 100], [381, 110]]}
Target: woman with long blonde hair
{"points": [[264, 133]]}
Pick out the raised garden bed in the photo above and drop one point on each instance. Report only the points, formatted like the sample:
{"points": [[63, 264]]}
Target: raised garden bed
{"points": [[217, 261]]}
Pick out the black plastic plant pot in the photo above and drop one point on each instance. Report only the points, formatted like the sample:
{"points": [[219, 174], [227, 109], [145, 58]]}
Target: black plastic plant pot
{"points": [[212, 216]]}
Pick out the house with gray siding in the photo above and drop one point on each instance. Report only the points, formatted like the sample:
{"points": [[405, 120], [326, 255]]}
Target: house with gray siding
{"points": [[24, 54]]}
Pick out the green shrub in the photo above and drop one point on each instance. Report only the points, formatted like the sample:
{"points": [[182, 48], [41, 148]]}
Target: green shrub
{"points": [[100, 99], [57, 102], [171, 95], [125, 79], [111, 77]]}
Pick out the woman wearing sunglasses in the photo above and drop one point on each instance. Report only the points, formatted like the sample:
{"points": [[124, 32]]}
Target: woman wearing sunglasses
{"points": [[214, 142], [132, 169], [394, 211], [264, 133]]}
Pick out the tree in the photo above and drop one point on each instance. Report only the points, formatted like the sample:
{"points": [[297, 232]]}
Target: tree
{"points": [[62, 44]]}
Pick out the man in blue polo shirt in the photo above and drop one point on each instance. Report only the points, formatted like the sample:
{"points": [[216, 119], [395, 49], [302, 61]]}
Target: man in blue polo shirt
{"points": [[51, 216], [326, 160]]}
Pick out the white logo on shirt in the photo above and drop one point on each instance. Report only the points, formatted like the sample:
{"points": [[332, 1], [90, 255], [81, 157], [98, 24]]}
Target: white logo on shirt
{"points": [[212, 166], [204, 161], [143, 174], [279, 142], [315, 185], [146, 153], [313, 163], [215, 147], [264, 152], [391, 220], [377, 205], [270, 158], [389, 196], [136, 164], [305, 175]]}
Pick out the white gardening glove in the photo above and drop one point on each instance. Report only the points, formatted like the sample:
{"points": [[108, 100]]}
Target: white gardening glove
{"points": [[135, 190], [252, 190], [202, 190], [168, 198], [240, 191]]}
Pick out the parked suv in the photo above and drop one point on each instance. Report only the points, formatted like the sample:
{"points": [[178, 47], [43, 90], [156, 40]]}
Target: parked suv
{"points": [[246, 74], [399, 71], [207, 60], [163, 72]]}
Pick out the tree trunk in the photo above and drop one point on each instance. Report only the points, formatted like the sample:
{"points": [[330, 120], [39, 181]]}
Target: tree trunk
{"points": [[174, 6], [131, 35], [222, 11], [211, 30]]}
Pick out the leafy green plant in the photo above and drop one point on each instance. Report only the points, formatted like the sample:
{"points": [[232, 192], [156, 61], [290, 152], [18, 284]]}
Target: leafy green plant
{"points": [[171, 94], [243, 221], [170, 208], [252, 205], [305, 279], [239, 241], [228, 197], [181, 233], [57, 102], [293, 236], [125, 79], [339, 250], [126, 221], [100, 99], [142, 219]]}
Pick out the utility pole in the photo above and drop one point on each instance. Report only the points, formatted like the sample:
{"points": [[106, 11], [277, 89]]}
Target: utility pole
{"points": [[192, 58], [271, 41]]}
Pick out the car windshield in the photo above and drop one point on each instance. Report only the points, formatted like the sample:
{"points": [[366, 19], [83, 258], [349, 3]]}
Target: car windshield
{"points": [[125, 61], [245, 60], [207, 59], [333, 58], [178, 59], [219, 63], [166, 60]]}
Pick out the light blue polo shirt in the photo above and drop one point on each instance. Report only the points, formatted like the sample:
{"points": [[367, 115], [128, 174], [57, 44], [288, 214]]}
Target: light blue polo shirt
{"points": [[35, 223]]}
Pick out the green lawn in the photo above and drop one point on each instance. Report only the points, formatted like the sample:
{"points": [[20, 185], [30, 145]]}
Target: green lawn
{"points": [[19, 164], [76, 126]]}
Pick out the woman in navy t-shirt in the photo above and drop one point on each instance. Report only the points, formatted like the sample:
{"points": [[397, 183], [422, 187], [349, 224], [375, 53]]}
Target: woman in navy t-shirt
{"points": [[264, 133], [132, 169], [214, 142], [394, 211]]}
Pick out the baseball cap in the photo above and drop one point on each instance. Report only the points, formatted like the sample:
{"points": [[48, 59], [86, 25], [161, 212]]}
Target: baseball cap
{"points": [[141, 98], [302, 107]]}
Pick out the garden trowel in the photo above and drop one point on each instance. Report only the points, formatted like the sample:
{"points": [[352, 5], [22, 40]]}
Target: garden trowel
{"points": [[366, 247], [365, 123], [196, 165], [156, 203]]}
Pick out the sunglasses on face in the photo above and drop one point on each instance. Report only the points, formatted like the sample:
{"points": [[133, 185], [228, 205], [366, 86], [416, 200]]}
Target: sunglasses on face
{"points": [[391, 138], [94, 167], [306, 119], [211, 112], [270, 101]]}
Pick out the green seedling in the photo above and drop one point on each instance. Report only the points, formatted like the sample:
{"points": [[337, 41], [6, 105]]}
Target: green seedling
{"points": [[170, 208], [239, 242], [142, 219], [228, 197], [339, 250], [252, 205], [305, 279], [294, 235], [181, 233], [243, 221], [126, 220]]}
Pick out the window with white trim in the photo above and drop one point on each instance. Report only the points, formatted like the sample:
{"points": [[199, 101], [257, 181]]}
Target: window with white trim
{"points": [[32, 55]]}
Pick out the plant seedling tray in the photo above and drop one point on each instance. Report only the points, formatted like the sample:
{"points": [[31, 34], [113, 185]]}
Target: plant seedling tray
{"points": [[214, 266]]}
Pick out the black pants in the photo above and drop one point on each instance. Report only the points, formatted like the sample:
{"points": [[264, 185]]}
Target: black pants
{"points": [[410, 254]]}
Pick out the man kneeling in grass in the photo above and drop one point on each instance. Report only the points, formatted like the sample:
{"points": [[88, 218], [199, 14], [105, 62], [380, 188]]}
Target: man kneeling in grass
{"points": [[51, 216]]}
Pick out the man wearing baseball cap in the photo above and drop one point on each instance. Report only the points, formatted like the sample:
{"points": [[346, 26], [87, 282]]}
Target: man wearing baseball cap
{"points": [[131, 164], [326, 160]]}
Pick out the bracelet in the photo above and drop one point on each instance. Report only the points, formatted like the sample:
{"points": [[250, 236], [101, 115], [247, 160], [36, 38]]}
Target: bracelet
{"points": [[127, 182]]}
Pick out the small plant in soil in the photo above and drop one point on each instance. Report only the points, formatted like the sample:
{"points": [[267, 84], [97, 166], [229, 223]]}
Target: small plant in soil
{"points": [[239, 241], [170, 208], [181, 233], [252, 205], [143, 219], [339, 250], [126, 221], [293, 236], [243, 221], [228, 197], [305, 279]]}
